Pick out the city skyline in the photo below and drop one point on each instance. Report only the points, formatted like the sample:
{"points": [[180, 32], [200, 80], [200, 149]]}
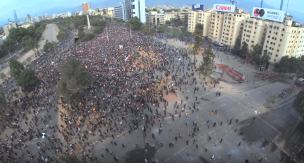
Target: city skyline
{"points": [[35, 7]]}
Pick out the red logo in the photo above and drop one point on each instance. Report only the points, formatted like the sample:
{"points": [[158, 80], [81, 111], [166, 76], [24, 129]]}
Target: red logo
{"points": [[223, 8], [259, 12]]}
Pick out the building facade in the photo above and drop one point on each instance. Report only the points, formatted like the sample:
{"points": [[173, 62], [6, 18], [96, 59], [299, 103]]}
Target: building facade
{"points": [[216, 26], [135, 8], [199, 17], [254, 32], [86, 7], [282, 39], [8, 27], [119, 12], [233, 24], [28, 18]]}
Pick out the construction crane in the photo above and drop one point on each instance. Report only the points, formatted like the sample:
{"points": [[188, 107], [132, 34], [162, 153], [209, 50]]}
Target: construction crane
{"points": [[232, 2]]}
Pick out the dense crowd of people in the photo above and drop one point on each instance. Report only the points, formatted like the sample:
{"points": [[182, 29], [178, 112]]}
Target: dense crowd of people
{"points": [[133, 74]]}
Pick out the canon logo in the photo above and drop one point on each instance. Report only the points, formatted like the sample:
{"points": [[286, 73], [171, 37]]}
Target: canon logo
{"points": [[224, 8]]}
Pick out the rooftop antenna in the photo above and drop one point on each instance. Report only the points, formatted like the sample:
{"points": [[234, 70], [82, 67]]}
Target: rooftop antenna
{"points": [[282, 1], [233, 2], [261, 3], [287, 6]]}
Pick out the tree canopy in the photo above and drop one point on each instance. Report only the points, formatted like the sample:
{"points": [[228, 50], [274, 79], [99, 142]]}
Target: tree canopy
{"points": [[265, 58], [19, 38], [256, 53], [244, 50], [237, 46], [27, 80], [198, 37], [74, 80], [16, 68], [3, 101], [288, 65], [135, 23], [207, 63]]}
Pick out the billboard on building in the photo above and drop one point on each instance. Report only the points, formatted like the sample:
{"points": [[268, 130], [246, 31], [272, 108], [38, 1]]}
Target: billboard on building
{"points": [[223, 7], [269, 14], [197, 7]]}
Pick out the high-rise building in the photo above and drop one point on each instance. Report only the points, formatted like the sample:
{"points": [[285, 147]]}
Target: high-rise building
{"points": [[86, 7], [135, 8], [119, 12], [28, 18], [8, 27], [15, 17]]}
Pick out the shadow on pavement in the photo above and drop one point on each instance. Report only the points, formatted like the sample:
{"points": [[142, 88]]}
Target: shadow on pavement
{"points": [[140, 154]]}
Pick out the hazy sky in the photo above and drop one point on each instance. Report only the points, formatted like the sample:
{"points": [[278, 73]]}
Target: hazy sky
{"points": [[34, 7]]}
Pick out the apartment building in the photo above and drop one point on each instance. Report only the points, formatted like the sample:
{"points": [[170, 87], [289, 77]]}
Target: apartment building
{"points": [[233, 24], [199, 17], [160, 19], [182, 14], [283, 39], [7, 27], [300, 50], [216, 26], [254, 31]]}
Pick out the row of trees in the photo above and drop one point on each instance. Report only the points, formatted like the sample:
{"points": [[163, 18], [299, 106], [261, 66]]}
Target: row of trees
{"points": [[208, 57], [26, 38], [291, 65], [61, 34], [25, 78], [241, 49]]}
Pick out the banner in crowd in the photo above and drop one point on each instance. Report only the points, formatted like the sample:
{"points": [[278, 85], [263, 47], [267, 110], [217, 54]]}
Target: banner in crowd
{"points": [[269, 14]]}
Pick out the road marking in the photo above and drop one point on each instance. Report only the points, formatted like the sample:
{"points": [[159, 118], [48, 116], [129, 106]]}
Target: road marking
{"points": [[296, 124], [270, 125]]}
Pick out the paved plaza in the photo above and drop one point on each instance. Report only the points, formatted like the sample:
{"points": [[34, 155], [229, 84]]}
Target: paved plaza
{"points": [[197, 126]]}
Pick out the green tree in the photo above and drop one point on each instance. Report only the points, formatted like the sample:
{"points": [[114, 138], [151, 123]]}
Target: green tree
{"points": [[135, 23], [288, 65], [98, 30], [74, 80], [2, 75], [237, 46], [298, 102], [27, 80], [48, 46], [244, 50], [88, 37], [300, 71], [16, 68], [265, 58], [198, 38], [162, 28], [3, 101], [256, 53], [207, 63]]}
